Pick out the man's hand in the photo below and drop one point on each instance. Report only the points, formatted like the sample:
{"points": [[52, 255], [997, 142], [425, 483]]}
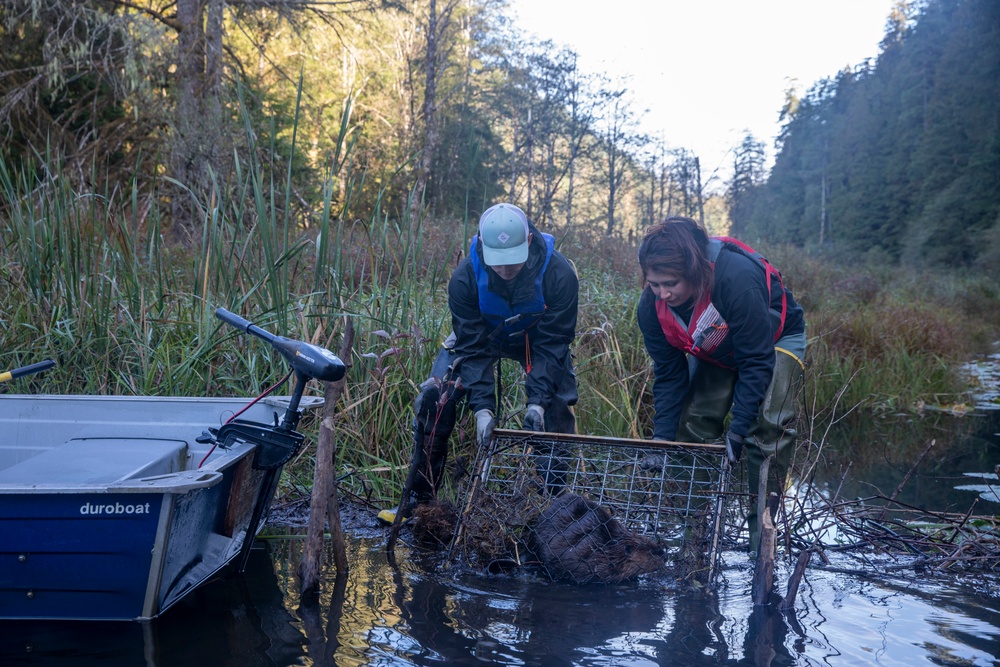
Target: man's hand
{"points": [[734, 447], [484, 426], [534, 418]]}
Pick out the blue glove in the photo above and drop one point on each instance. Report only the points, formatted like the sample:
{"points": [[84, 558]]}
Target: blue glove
{"points": [[734, 447], [484, 426], [534, 418]]}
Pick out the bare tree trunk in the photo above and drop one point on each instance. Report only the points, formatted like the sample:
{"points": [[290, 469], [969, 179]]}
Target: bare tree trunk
{"points": [[213, 50], [429, 113], [513, 163], [651, 208], [530, 146], [197, 140], [569, 192], [550, 182], [190, 71], [212, 118], [612, 185], [663, 208], [822, 206], [574, 147], [666, 195]]}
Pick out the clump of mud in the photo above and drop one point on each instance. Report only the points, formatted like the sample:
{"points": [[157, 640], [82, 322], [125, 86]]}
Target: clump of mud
{"points": [[495, 528], [434, 523]]}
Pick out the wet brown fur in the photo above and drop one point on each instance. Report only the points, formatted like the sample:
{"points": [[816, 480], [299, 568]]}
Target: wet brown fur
{"points": [[578, 540]]}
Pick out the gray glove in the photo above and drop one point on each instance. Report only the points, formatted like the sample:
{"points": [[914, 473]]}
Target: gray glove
{"points": [[484, 426], [734, 447], [534, 418]]}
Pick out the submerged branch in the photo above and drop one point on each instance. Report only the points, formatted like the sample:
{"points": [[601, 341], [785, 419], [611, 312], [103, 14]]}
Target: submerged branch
{"points": [[883, 527]]}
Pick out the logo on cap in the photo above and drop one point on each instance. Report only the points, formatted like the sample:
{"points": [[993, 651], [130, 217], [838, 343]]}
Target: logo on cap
{"points": [[503, 231]]}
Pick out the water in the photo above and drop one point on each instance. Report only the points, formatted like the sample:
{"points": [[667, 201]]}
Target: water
{"points": [[413, 614], [409, 616]]}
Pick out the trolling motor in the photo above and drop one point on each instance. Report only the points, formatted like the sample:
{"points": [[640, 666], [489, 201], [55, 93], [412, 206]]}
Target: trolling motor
{"points": [[278, 443]]}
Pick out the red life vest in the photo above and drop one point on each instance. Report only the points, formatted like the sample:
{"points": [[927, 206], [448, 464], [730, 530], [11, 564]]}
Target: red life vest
{"points": [[707, 333]]}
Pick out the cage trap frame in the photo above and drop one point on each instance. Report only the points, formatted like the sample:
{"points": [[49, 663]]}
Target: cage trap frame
{"points": [[675, 493]]}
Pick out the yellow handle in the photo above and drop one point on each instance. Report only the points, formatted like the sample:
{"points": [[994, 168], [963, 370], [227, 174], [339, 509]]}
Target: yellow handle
{"points": [[27, 370]]}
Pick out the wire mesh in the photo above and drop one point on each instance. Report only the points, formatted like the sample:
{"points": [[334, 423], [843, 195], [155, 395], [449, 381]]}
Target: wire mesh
{"points": [[639, 497]]}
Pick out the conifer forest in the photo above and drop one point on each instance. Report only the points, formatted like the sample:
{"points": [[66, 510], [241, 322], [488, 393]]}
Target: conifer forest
{"points": [[442, 107]]}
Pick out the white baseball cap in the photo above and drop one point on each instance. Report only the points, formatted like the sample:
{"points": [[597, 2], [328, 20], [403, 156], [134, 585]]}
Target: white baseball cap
{"points": [[503, 231]]}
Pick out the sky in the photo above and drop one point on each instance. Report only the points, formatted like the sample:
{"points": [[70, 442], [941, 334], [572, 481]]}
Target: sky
{"points": [[708, 70]]}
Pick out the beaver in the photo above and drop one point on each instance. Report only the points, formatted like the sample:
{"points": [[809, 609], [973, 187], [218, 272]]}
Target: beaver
{"points": [[578, 540]]}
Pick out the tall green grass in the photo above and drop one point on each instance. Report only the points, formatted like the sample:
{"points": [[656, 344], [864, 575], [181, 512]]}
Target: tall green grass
{"points": [[890, 338], [89, 282]]}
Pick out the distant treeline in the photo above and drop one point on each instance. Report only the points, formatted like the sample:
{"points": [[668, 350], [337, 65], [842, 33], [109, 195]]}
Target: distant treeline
{"points": [[425, 112], [899, 159]]}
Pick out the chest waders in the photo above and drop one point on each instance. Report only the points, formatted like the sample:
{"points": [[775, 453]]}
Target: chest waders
{"points": [[551, 460], [435, 414], [713, 384], [709, 399]]}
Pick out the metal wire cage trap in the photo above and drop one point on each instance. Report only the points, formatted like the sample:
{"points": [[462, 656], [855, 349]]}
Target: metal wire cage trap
{"points": [[672, 493]]}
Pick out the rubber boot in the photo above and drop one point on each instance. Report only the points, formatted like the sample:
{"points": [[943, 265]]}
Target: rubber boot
{"points": [[773, 434], [703, 418], [708, 401], [434, 414]]}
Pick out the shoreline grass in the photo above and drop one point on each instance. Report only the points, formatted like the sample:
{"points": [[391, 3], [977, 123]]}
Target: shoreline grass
{"points": [[89, 282]]}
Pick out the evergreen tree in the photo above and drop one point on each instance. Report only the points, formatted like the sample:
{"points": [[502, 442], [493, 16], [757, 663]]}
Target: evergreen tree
{"points": [[748, 174], [898, 159]]}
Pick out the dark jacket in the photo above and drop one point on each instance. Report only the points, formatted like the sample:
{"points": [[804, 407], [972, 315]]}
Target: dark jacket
{"points": [[550, 338], [740, 295]]}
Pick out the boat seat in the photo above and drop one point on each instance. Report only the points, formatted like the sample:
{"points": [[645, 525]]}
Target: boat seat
{"points": [[88, 462]]}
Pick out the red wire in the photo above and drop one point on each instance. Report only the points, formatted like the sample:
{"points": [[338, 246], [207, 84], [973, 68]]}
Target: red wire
{"points": [[527, 354], [247, 407]]}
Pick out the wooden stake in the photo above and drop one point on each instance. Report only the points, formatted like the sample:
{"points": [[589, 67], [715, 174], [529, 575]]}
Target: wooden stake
{"points": [[763, 579], [795, 580], [323, 505]]}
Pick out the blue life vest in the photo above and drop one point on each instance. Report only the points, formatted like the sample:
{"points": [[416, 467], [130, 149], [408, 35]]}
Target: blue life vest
{"points": [[495, 309]]}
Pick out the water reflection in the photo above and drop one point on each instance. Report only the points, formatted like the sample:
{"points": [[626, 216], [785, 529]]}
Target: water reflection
{"points": [[520, 620], [236, 621], [523, 620], [415, 615], [324, 635], [875, 455]]}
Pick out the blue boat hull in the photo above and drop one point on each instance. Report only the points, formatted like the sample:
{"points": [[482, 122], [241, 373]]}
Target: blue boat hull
{"points": [[119, 518], [65, 556]]}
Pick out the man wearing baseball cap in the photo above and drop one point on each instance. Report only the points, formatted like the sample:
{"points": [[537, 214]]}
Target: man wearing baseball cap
{"points": [[514, 297]]}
